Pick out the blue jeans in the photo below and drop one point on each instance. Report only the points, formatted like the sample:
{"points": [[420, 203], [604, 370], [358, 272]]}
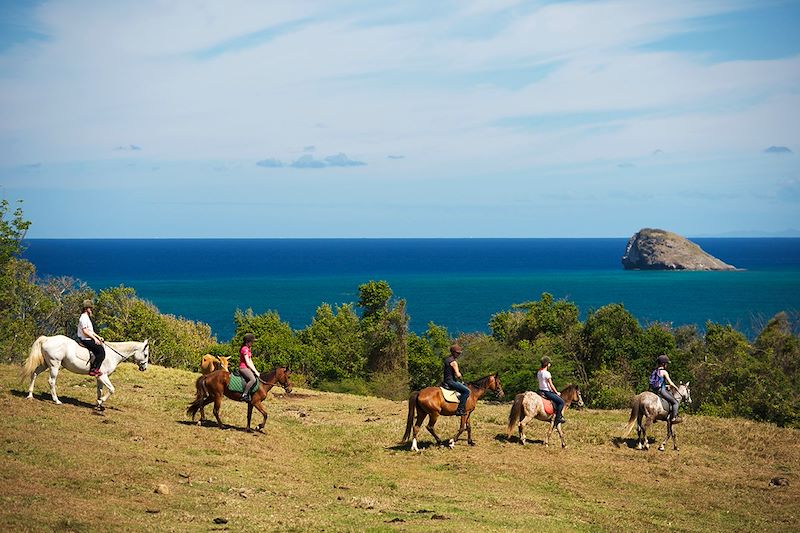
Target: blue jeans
{"points": [[460, 388], [558, 403], [673, 403]]}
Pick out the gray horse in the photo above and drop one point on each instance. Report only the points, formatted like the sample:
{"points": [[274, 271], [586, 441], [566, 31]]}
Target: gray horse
{"points": [[648, 405]]}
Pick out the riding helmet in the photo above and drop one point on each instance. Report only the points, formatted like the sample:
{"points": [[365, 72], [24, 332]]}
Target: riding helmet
{"points": [[87, 304], [662, 359], [249, 337], [545, 361]]}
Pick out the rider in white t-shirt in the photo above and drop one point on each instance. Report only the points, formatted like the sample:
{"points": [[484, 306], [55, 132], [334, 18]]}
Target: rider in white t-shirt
{"points": [[548, 390], [90, 340]]}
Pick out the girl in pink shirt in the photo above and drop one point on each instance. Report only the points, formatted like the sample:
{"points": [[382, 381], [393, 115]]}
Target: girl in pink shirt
{"points": [[246, 367]]}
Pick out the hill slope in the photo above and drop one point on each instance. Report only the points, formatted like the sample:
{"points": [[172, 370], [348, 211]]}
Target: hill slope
{"points": [[333, 461]]}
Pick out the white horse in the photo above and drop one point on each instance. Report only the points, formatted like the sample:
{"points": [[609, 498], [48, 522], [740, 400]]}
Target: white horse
{"points": [[648, 406], [60, 351]]}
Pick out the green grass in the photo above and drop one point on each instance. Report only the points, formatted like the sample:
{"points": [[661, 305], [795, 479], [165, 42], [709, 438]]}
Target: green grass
{"points": [[333, 461]]}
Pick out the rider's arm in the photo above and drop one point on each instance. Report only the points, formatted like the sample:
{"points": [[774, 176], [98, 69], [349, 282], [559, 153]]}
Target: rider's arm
{"points": [[92, 335], [454, 364], [669, 381], [552, 387]]}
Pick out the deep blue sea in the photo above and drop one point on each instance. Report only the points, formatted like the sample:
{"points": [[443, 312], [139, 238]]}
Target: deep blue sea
{"points": [[457, 283]]}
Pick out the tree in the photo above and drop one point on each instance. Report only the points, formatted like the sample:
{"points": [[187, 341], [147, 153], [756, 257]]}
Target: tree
{"points": [[384, 326], [333, 345]]}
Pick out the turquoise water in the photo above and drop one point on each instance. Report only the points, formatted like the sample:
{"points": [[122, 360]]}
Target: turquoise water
{"points": [[457, 283]]}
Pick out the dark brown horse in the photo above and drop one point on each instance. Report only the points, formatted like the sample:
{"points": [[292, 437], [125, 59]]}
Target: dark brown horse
{"points": [[212, 387], [429, 402]]}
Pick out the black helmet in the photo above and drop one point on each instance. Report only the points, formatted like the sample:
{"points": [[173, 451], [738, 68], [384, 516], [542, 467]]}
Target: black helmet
{"points": [[249, 337], [662, 360], [545, 361]]}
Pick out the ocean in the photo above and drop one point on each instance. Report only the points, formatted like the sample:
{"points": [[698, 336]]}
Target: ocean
{"points": [[456, 283]]}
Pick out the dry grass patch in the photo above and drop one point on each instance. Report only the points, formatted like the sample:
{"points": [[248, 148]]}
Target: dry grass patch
{"points": [[332, 461]]}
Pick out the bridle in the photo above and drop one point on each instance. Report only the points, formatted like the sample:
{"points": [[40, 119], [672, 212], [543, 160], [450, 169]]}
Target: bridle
{"points": [[124, 357]]}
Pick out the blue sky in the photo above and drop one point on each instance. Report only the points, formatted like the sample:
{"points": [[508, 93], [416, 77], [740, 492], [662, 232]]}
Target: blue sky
{"points": [[472, 118]]}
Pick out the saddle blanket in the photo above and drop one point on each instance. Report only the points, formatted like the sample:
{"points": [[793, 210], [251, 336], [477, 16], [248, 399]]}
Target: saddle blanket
{"points": [[236, 384], [664, 404], [547, 404], [450, 396]]}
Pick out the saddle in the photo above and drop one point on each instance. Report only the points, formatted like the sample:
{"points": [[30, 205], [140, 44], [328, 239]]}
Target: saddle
{"points": [[450, 396], [664, 404], [236, 384], [547, 404]]}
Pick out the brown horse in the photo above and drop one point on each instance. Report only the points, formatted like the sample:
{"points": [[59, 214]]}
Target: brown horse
{"points": [[647, 406], [530, 405], [211, 363], [430, 402], [212, 387]]}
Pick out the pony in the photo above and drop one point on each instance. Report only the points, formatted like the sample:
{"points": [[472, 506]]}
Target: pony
{"points": [[214, 386], [648, 405], [211, 363], [60, 351], [530, 405], [430, 402]]}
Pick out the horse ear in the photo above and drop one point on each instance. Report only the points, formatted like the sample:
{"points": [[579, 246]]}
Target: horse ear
{"points": [[687, 383]]}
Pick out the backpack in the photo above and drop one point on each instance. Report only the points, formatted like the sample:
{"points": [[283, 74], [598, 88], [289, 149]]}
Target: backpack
{"points": [[656, 380]]}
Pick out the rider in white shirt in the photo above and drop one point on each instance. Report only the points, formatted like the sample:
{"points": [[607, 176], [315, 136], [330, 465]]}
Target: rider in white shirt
{"points": [[91, 340]]}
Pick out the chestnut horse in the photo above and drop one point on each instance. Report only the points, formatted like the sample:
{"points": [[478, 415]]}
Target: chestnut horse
{"points": [[530, 405], [429, 402], [212, 387], [211, 363]]}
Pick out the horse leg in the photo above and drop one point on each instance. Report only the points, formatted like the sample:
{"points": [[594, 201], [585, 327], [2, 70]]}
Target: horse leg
{"points": [[263, 412], [669, 434], [103, 380], [206, 401], [39, 370], [674, 441], [561, 435], [549, 431], [417, 426], [639, 430], [527, 418], [52, 381], [433, 417], [648, 421], [469, 430], [249, 415], [217, 405]]}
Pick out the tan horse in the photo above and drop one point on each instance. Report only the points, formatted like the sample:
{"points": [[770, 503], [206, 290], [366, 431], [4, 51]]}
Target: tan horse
{"points": [[214, 386], [648, 405], [530, 405], [429, 402], [211, 363]]}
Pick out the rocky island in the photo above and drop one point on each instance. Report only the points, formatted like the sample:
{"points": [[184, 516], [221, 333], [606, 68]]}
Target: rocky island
{"points": [[657, 249]]}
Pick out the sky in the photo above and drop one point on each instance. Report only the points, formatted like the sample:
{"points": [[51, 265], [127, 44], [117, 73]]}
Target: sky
{"points": [[469, 118]]}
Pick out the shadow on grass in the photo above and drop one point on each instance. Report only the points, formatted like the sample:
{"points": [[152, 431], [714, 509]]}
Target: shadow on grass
{"points": [[45, 397], [209, 423], [514, 439], [631, 443]]}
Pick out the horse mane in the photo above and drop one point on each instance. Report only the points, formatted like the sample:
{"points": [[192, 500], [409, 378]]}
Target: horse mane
{"points": [[569, 388], [481, 382]]}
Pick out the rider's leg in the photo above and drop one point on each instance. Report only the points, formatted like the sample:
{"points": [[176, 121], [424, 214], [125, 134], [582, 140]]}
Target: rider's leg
{"points": [[250, 378], [463, 390], [673, 403], [558, 405]]}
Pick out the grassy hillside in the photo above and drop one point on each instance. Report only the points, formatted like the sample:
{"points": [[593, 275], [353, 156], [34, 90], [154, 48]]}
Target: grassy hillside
{"points": [[330, 461]]}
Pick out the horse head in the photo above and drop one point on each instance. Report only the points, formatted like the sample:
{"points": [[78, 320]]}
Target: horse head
{"points": [[578, 397], [684, 392], [142, 355], [282, 374], [495, 385], [223, 362]]}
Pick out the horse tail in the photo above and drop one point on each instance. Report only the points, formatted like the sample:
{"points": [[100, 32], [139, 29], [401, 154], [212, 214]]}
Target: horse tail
{"points": [[199, 398], [35, 359], [634, 415], [516, 414], [412, 407]]}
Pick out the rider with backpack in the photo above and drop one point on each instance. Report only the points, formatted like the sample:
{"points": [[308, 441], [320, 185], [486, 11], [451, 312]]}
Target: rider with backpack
{"points": [[659, 380]]}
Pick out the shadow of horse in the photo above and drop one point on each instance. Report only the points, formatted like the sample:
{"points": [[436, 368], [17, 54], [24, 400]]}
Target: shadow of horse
{"points": [[618, 442], [501, 437], [211, 423], [64, 399]]}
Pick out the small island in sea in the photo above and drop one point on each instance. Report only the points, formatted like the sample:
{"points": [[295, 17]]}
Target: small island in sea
{"points": [[657, 249]]}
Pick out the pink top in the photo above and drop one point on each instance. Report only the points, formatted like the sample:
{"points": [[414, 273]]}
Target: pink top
{"points": [[244, 356]]}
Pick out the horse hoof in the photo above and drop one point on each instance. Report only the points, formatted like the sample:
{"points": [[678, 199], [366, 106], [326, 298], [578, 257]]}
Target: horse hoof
{"points": [[661, 448], [29, 397], [199, 423], [471, 443], [451, 444]]}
